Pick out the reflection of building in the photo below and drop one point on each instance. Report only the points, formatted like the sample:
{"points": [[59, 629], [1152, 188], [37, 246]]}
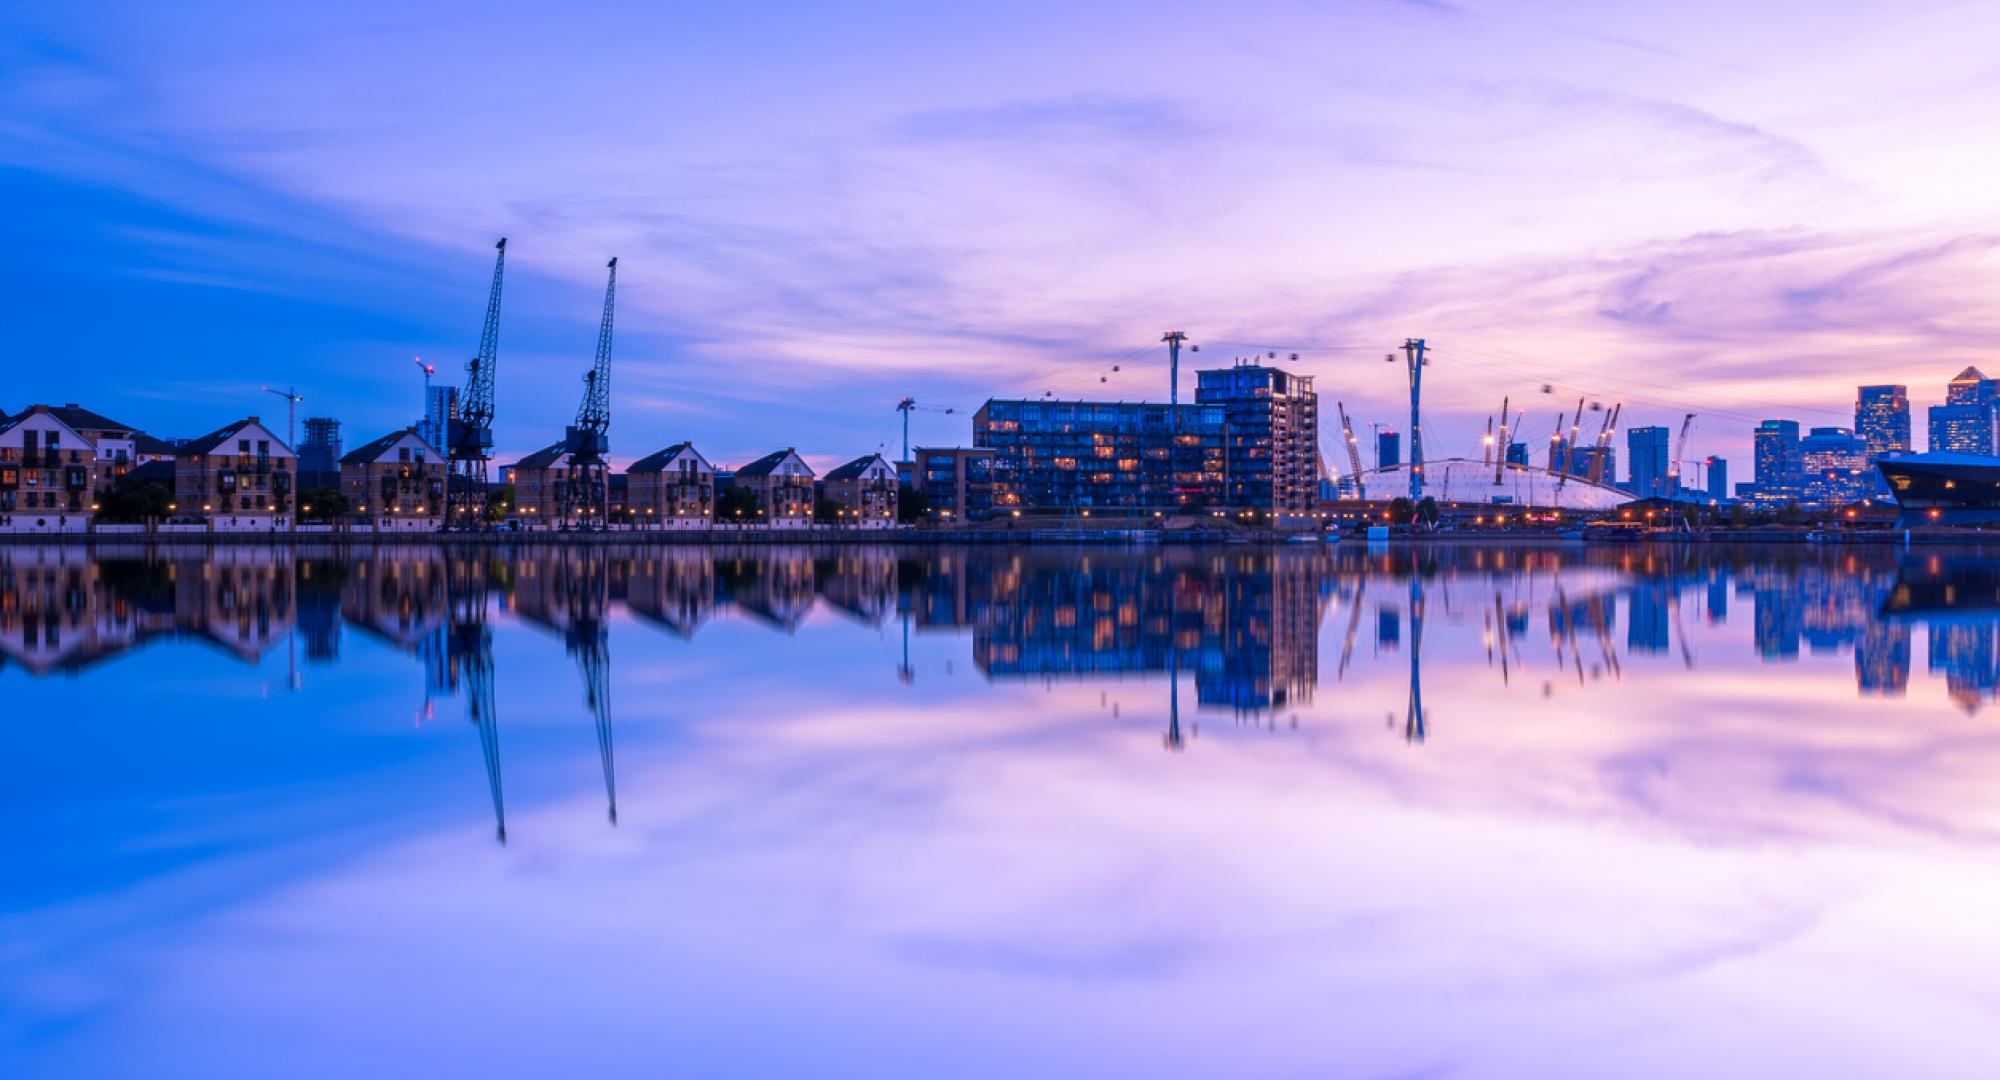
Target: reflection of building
{"points": [[396, 595], [1133, 456], [1247, 627], [1882, 660], [1647, 615], [673, 587], [1964, 653]]}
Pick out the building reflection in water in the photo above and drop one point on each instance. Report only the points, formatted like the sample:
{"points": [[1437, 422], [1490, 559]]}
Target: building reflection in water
{"points": [[1243, 624]]}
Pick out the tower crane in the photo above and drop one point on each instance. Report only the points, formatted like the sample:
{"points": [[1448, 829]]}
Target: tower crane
{"points": [[1680, 447], [1353, 450], [470, 436], [588, 440]]}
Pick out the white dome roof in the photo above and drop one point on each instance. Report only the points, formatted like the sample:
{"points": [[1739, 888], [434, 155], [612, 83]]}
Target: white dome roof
{"points": [[1461, 481]]}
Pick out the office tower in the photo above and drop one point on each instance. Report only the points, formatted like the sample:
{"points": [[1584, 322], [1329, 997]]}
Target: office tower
{"points": [[1517, 453], [1835, 467], [1964, 424], [1650, 448], [1718, 478], [1778, 467], [1882, 419], [1388, 449], [1271, 437]]}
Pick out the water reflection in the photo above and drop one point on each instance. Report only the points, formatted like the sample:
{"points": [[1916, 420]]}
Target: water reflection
{"points": [[1560, 786], [1245, 624]]}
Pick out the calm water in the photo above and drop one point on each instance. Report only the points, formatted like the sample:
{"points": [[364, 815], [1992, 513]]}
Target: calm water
{"points": [[1308, 811]]}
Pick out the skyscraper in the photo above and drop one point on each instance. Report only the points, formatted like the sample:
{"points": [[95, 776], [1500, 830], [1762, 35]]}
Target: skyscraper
{"points": [[1835, 464], [1778, 465], [1882, 419], [1718, 478], [440, 408], [1649, 451], [1271, 448], [1964, 424], [1388, 449]]}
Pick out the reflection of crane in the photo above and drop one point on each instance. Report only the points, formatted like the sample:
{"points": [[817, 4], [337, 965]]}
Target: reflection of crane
{"points": [[581, 583], [1680, 448], [1353, 451], [588, 440], [470, 437], [469, 653]]}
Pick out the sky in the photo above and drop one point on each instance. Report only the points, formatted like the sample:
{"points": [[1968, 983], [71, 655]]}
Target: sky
{"points": [[1739, 211]]}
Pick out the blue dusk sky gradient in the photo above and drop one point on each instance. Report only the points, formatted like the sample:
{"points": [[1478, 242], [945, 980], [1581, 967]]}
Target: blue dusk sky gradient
{"points": [[1739, 210]]}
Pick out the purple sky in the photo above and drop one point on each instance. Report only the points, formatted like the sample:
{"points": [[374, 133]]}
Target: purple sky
{"points": [[1736, 210]]}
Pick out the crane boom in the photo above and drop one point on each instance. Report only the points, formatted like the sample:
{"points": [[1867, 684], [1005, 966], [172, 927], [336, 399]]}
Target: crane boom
{"points": [[469, 436], [1353, 450], [589, 439]]}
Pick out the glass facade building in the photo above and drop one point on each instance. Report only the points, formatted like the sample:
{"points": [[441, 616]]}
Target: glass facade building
{"points": [[1779, 468], [1134, 456], [1882, 420], [1836, 469], [954, 480], [1270, 437], [1964, 424], [1649, 451]]}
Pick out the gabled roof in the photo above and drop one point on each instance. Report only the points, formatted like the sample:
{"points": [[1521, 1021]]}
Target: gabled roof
{"points": [[11, 422], [362, 455], [769, 463], [853, 469], [543, 458], [83, 419], [658, 462], [208, 443]]}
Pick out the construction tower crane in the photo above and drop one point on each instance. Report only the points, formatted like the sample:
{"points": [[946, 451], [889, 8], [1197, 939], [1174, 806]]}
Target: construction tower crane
{"points": [[1604, 440], [589, 439], [1353, 450], [469, 437], [1680, 448]]}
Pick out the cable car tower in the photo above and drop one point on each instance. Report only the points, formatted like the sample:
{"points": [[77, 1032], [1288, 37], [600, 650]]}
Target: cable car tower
{"points": [[588, 440], [469, 437]]}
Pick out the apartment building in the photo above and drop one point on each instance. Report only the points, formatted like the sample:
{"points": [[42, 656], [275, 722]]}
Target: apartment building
{"points": [[672, 489], [238, 477], [395, 483], [865, 490], [48, 474], [783, 484]]}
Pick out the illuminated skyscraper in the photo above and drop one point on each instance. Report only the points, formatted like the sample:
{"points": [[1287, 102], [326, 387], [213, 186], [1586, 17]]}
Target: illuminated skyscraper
{"points": [[1882, 419]]}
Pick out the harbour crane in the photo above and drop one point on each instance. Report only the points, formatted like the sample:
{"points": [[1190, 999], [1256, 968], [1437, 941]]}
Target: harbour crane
{"points": [[470, 435], [1353, 450], [589, 439], [1680, 448]]}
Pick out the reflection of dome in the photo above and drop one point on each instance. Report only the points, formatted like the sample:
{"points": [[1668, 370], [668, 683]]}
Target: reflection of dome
{"points": [[1461, 481]]}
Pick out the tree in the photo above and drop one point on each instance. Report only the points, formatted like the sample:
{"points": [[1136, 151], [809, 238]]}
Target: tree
{"points": [[322, 505], [132, 501], [1427, 511], [1402, 510], [735, 504], [826, 511], [498, 502]]}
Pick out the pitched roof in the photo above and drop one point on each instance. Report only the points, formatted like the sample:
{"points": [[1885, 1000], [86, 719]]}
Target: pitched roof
{"points": [[658, 462], [765, 465], [367, 452], [1970, 374], [9, 423], [209, 442], [83, 419], [543, 458], [853, 469]]}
